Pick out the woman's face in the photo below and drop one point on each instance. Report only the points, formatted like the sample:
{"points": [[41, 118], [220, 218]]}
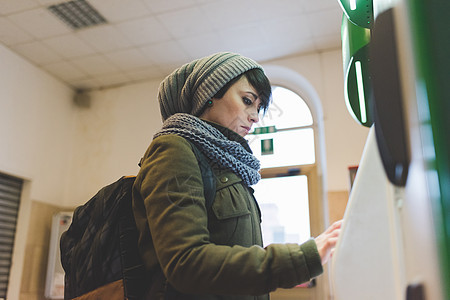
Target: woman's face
{"points": [[238, 108]]}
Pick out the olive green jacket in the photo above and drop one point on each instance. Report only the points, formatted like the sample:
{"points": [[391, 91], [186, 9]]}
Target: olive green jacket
{"points": [[215, 254]]}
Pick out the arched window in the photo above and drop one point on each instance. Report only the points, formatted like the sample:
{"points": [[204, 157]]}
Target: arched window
{"points": [[294, 193], [283, 141]]}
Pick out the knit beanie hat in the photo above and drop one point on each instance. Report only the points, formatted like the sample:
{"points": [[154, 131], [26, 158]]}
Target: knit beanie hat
{"points": [[189, 87]]}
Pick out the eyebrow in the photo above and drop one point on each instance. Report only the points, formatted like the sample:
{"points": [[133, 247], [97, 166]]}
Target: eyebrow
{"points": [[253, 94]]}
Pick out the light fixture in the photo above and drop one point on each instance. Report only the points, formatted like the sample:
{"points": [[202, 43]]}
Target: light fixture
{"points": [[361, 97], [358, 86], [77, 14]]}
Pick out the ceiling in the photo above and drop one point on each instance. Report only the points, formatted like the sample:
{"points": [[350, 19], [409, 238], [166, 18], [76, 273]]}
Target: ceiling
{"points": [[146, 39]]}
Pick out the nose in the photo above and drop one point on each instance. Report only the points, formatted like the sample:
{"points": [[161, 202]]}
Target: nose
{"points": [[253, 116]]}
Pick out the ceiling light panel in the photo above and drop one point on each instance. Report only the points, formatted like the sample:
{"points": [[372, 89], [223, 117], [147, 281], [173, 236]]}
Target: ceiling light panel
{"points": [[77, 14]]}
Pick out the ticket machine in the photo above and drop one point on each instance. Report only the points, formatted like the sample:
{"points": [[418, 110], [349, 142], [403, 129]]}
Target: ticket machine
{"points": [[395, 239]]}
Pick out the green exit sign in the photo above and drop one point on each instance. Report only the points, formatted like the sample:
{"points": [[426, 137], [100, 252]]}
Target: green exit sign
{"points": [[266, 146], [267, 129]]}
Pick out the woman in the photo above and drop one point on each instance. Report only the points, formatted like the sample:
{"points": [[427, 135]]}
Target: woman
{"points": [[213, 253]]}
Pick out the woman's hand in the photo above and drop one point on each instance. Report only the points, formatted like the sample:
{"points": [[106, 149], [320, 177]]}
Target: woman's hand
{"points": [[327, 241]]}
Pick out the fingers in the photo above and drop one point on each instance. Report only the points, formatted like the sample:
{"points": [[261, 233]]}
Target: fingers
{"points": [[332, 252], [338, 223], [332, 241], [334, 228], [326, 242], [335, 233], [335, 225]]}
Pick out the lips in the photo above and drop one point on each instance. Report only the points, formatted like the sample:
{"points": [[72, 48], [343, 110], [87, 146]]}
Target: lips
{"points": [[247, 129]]}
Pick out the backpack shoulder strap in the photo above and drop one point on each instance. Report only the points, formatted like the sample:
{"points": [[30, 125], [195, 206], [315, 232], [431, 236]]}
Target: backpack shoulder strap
{"points": [[209, 180]]}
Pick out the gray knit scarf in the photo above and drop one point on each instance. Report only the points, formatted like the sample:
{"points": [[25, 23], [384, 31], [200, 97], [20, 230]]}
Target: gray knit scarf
{"points": [[214, 145]]}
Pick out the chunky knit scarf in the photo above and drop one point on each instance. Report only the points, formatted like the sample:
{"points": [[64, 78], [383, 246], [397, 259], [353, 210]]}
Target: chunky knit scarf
{"points": [[213, 144]]}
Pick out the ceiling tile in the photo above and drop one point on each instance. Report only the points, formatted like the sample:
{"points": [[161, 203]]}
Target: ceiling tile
{"points": [[144, 31], [327, 42], [229, 16], [95, 65], [318, 5], [10, 6], [40, 23], [202, 45], [64, 70], [205, 1], [249, 11], [146, 73], [69, 46], [159, 6], [168, 33], [185, 23], [104, 38], [167, 54], [259, 55], [296, 46], [326, 22], [37, 53], [10, 34], [49, 2], [85, 83], [246, 37], [112, 79], [278, 50], [286, 29], [120, 10], [129, 59]]}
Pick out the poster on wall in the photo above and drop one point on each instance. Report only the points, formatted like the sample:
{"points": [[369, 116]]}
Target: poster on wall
{"points": [[352, 174], [54, 285]]}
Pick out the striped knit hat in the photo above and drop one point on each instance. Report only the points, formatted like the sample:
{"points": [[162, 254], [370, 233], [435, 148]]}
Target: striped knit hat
{"points": [[189, 87]]}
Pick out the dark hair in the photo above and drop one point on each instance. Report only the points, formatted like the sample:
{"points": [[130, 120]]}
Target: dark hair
{"points": [[258, 80]]}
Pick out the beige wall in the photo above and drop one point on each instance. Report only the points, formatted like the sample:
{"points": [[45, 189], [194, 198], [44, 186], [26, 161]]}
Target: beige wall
{"points": [[337, 203], [36, 127], [65, 153], [110, 137]]}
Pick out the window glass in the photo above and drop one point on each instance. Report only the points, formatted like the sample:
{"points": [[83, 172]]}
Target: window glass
{"points": [[286, 111], [291, 147], [284, 137], [285, 206]]}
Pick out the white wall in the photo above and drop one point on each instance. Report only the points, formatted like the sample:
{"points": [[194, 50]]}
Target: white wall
{"points": [[36, 127], [111, 136]]}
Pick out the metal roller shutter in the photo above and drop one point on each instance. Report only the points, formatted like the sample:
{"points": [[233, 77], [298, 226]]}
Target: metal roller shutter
{"points": [[10, 191]]}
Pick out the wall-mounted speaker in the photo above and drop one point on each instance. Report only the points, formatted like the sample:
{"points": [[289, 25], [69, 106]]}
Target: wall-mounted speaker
{"points": [[82, 98]]}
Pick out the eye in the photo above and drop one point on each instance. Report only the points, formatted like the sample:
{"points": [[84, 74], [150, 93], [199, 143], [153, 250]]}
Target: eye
{"points": [[247, 101]]}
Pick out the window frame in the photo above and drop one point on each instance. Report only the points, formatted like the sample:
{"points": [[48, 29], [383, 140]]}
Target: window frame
{"points": [[316, 172]]}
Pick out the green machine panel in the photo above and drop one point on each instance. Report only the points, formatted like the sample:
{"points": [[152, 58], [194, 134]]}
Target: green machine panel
{"points": [[355, 33], [358, 12], [430, 24]]}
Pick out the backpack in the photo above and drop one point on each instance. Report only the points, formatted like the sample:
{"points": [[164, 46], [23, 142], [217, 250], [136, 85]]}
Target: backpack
{"points": [[101, 245]]}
